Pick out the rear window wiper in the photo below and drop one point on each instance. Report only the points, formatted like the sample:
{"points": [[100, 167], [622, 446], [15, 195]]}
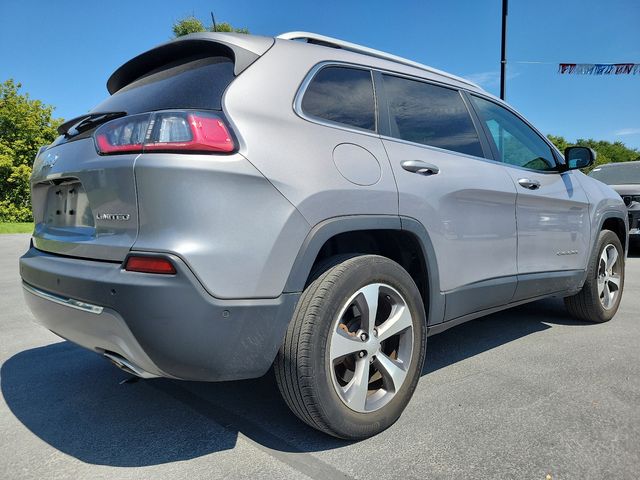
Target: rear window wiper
{"points": [[84, 122]]}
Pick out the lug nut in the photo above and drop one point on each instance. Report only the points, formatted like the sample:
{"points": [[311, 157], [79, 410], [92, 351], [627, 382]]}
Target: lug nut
{"points": [[364, 337], [372, 359], [375, 332], [361, 353]]}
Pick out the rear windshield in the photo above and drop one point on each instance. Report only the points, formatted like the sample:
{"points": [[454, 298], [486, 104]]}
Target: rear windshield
{"points": [[618, 174], [195, 82]]}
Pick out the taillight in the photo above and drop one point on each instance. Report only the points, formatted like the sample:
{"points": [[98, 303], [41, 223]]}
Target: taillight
{"points": [[126, 134], [149, 265], [193, 131], [171, 131]]}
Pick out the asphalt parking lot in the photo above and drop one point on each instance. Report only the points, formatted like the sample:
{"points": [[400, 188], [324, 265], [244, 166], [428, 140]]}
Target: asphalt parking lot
{"points": [[521, 394]]}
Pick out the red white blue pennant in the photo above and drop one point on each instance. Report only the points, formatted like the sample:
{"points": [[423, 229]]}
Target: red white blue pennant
{"points": [[599, 68]]}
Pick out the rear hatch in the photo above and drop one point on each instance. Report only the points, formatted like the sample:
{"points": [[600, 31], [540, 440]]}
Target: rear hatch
{"points": [[84, 202]]}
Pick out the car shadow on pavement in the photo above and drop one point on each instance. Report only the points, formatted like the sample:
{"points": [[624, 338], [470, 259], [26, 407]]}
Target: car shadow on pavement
{"points": [[73, 400], [488, 332]]}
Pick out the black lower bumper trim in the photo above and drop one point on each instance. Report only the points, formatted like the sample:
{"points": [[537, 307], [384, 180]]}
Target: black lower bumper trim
{"points": [[185, 331]]}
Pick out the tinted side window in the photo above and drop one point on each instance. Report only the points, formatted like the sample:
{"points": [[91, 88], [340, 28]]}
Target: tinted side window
{"points": [[432, 115], [342, 95], [515, 141]]}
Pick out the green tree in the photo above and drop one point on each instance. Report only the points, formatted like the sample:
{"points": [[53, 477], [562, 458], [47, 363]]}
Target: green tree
{"points": [[191, 24], [226, 27], [559, 142], [188, 25], [25, 126], [607, 152]]}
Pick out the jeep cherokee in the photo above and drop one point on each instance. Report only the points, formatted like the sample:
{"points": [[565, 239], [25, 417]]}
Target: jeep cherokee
{"points": [[239, 202]]}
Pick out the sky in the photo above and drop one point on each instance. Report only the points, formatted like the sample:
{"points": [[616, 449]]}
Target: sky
{"points": [[63, 51]]}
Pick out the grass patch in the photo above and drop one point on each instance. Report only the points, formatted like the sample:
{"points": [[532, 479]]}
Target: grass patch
{"points": [[26, 227]]}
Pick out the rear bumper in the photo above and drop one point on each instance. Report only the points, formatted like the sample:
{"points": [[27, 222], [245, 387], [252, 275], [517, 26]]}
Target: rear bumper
{"points": [[155, 325]]}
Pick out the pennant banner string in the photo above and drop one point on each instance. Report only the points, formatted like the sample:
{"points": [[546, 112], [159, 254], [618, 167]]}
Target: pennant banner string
{"points": [[599, 68]]}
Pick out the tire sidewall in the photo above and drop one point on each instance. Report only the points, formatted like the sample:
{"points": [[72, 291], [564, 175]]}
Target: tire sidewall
{"points": [[606, 237], [359, 272]]}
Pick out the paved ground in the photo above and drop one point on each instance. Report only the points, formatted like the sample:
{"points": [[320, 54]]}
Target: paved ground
{"points": [[518, 395]]}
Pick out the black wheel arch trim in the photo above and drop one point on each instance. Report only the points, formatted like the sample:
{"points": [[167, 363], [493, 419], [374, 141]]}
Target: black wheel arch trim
{"points": [[331, 227], [606, 216], [596, 234]]}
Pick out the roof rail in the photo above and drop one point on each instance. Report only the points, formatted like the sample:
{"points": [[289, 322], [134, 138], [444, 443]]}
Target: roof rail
{"points": [[354, 47]]}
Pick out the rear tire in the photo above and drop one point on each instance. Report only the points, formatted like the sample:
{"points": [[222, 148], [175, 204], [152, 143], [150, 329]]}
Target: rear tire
{"points": [[599, 299], [353, 352]]}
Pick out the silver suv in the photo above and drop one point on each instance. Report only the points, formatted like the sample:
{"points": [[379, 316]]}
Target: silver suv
{"points": [[240, 202]]}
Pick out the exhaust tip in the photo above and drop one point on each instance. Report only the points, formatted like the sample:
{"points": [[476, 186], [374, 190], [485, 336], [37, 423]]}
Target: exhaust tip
{"points": [[127, 366]]}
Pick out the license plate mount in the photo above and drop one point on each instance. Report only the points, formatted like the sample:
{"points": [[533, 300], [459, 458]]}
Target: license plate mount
{"points": [[68, 206]]}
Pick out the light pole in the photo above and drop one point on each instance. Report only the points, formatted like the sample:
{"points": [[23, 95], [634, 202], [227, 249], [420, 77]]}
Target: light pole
{"points": [[503, 47]]}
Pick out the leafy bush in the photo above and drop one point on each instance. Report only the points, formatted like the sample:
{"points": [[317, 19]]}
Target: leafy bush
{"points": [[191, 24], [607, 152], [25, 126]]}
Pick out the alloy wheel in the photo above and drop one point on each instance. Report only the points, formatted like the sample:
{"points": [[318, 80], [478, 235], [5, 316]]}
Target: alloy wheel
{"points": [[609, 276], [371, 347]]}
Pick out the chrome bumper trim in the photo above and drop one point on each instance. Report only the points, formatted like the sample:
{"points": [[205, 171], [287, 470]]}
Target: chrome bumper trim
{"points": [[69, 302]]}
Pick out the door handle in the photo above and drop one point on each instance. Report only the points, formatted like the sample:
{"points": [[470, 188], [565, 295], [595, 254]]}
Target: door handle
{"points": [[420, 167], [529, 184]]}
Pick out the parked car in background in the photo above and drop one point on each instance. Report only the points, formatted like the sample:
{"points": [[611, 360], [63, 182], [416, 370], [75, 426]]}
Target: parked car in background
{"points": [[624, 178], [240, 202]]}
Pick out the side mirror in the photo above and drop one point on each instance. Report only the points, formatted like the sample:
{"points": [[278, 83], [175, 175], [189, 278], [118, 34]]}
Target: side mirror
{"points": [[579, 157]]}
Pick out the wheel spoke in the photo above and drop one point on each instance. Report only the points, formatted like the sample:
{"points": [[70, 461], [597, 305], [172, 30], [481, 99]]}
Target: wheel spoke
{"points": [[607, 295], [601, 282], [355, 392], [615, 281], [342, 344], [392, 372], [612, 257], [367, 300], [604, 258], [400, 320]]}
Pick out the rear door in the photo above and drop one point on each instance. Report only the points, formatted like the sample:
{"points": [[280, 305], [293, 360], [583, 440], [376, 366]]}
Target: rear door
{"points": [[552, 209], [465, 201]]}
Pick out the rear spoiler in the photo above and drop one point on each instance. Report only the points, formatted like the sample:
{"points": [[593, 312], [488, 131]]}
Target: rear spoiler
{"points": [[244, 49]]}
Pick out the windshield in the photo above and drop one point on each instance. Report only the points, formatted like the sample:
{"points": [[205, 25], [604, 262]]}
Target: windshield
{"points": [[618, 174]]}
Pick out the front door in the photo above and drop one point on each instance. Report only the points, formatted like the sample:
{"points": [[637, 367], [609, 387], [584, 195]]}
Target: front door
{"points": [[552, 209]]}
